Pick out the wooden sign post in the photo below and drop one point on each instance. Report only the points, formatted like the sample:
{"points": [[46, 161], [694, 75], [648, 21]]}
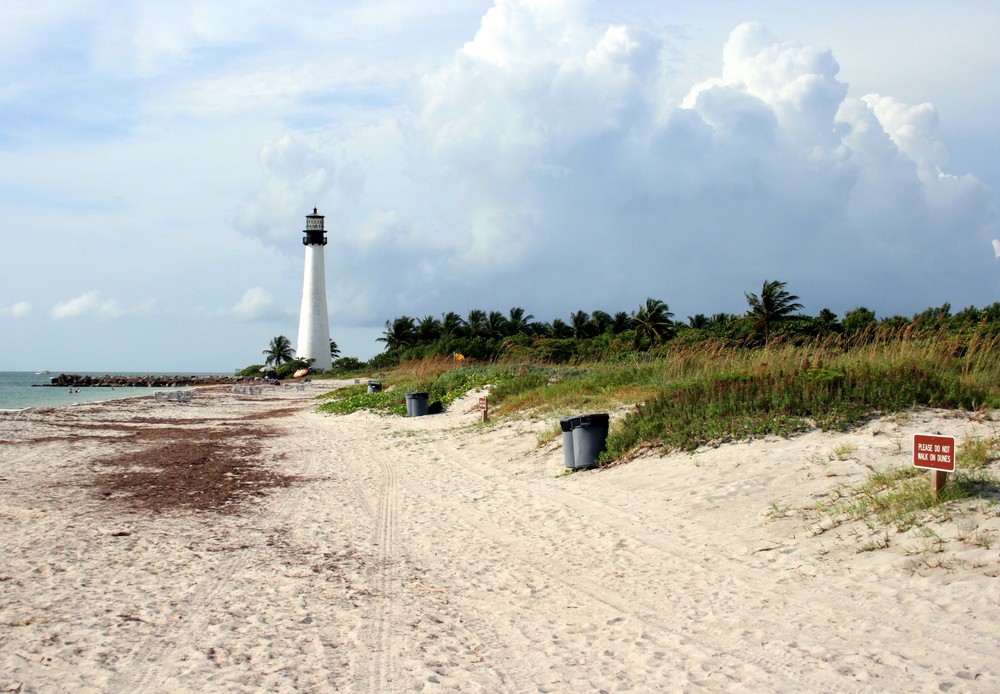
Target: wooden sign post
{"points": [[484, 405], [937, 454]]}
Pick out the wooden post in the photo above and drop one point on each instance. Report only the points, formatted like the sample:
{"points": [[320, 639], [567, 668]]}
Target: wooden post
{"points": [[484, 407], [938, 479]]}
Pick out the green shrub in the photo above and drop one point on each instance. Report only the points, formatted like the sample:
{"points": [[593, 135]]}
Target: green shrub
{"points": [[720, 407]]}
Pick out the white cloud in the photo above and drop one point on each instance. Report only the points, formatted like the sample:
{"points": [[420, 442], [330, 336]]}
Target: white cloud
{"points": [[257, 304], [297, 177], [92, 304], [16, 310], [996, 247], [545, 162]]}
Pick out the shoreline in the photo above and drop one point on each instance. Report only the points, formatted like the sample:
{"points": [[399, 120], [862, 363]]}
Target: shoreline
{"points": [[251, 543]]}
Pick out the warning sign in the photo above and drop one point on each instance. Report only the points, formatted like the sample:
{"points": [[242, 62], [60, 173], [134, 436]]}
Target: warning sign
{"points": [[933, 452]]}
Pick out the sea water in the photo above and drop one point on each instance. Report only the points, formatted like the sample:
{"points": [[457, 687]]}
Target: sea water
{"points": [[20, 389]]}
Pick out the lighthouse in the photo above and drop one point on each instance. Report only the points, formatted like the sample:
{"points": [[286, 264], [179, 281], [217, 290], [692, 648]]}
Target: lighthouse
{"points": [[314, 323]]}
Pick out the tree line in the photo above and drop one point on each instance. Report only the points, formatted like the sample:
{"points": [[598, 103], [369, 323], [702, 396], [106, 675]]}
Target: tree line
{"points": [[772, 314]]}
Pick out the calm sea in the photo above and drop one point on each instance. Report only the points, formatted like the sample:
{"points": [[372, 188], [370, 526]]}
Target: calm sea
{"points": [[18, 390]]}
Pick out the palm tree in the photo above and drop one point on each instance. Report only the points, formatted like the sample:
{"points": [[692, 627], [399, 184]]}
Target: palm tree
{"points": [[429, 329], [772, 306], [560, 330], [452, 324], [622, 322], [698, 320], [653, 321], [827, 320], [518, 322], [398, 334], [601, 320], [495, 326], [582, 326], [334, 350], [541, 329], [718, 321], [475, 322], [279, 351]]}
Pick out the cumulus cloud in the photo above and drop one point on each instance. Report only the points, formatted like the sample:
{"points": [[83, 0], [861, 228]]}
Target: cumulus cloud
{"points": [[16, 310], [547, 163], [93, 305], [256, 304], [297, 176]]}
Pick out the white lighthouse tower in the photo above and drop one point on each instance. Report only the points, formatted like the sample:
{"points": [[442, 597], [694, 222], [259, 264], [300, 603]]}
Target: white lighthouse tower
{"points": [[314, 323]]}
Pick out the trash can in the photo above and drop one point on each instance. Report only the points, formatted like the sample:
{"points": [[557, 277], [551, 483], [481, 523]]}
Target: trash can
{"points": [[374, 386], [568, 424], [416, 404], [590, 437]]}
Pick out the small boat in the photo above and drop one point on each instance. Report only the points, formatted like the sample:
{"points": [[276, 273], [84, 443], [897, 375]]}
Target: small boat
{"points": [[42, 372]]}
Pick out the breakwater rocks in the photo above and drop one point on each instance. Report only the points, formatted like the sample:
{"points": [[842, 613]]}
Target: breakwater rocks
{"points": [[78, 381]]}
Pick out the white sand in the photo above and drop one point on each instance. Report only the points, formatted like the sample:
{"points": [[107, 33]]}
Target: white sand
{"points": [[434, 554]]}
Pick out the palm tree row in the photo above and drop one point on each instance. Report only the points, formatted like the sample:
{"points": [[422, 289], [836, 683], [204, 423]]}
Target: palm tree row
{"points": [[405, 332], [772, 313], [650, 325]]}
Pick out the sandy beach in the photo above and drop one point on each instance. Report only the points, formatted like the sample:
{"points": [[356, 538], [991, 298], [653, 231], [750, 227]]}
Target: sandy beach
{"points": [[245, 542]]}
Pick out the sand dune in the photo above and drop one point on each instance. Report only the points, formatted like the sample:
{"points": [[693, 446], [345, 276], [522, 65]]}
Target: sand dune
{"points": [[308, 552]]}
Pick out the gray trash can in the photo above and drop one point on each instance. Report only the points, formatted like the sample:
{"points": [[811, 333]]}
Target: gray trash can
{"points": [[374, 386], [590, 437], [416, 404], [567, 424]]}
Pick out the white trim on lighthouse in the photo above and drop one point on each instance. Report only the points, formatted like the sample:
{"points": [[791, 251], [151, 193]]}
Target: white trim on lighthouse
{"points": [[314, 321]]}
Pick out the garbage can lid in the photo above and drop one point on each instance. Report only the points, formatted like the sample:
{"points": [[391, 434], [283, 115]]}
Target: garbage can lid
{"points": [[569, 423], [594, 420], [416, 395]]}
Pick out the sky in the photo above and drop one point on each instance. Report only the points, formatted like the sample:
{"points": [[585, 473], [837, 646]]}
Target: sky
{"points": [[157, 161]]}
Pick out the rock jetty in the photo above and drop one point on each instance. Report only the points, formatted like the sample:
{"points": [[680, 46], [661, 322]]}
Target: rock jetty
{"points": [[78, 381]]}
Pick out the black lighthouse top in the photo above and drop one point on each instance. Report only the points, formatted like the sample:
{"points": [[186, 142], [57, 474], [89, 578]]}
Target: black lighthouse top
{"points": [[314, 233]]}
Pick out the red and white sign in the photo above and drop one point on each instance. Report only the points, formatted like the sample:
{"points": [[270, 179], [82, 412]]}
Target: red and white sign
{"points": [[482, 403], [933, 452]]}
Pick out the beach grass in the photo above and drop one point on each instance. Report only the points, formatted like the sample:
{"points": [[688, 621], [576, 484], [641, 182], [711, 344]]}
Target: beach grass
{"points": [[711, 392], [901, 498]]}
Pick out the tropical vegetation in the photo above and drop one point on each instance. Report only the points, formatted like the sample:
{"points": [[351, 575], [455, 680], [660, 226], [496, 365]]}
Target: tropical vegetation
{"points": [[279, 351], [773, 316], [676, 385]]}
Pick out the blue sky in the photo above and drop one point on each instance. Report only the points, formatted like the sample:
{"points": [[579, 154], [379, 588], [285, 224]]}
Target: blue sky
{"points": [[157, 161]]}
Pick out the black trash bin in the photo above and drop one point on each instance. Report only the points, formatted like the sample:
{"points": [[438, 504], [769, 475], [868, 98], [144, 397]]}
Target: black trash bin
{"points": [[416, 404], [590, 438], [567, 424], [374, 386]]}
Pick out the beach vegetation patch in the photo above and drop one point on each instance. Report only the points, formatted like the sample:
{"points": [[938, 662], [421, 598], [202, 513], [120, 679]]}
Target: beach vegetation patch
{"points": [[900, 498], [357, 397], [714, 380]]}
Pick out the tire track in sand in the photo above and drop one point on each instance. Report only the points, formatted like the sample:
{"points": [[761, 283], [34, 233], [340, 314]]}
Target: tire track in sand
{"points": [[384, 576], [731, 588], [500, 527]]}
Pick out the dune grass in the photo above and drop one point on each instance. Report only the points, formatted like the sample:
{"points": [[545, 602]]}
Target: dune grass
{"points": [[900, 498], [710, 393]]}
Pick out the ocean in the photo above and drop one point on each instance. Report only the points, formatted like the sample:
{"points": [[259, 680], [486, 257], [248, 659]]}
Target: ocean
{"points": [[19, 389]]}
